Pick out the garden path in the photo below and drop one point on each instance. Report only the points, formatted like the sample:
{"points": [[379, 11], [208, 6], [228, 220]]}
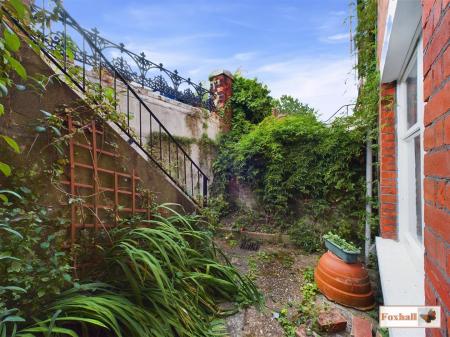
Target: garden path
{"points": [[277, 270]]}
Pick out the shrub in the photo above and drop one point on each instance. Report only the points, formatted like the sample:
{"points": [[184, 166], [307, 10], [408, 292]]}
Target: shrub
{"points": [[162, 280]]}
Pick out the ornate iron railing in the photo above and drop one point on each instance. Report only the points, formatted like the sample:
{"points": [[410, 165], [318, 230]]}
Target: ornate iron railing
{"points": [[135, 68], [77, 54]]}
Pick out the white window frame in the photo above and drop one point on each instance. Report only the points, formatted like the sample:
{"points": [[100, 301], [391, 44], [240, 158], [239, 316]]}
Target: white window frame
{"points": [[405, 155]]}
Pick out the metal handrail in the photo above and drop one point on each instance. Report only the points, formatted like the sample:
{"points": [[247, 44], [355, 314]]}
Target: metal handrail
{"points": [[143, 66], [47, 47], [346, 106]]}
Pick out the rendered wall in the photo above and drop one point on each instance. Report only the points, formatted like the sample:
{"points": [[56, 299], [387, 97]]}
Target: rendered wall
{"points": [[23, 114], [195, 129]]}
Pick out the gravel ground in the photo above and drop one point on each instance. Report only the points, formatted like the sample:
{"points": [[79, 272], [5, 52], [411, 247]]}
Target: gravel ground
{"points": [[277, 271]]}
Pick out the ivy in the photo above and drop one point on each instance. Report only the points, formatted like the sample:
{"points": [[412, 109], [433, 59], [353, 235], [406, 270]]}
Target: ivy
{"points": [[308, 176], [251, 99], [365, 40]]}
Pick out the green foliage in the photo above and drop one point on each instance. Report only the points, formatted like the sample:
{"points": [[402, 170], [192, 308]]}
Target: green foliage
{"points": [[287, 105], [161, 280], [342, 243], [305, 233], [38, 267], [250, 99], [286, 323], [307, 310], [366, 110], [384, 332], [300, 168], [9, 46]]}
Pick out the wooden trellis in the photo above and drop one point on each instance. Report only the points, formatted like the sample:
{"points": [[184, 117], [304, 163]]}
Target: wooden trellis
{"points": [[101, 193]]}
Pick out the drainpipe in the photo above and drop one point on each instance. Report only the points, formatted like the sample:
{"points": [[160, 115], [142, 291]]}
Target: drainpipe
{"points": [[368, 198]]}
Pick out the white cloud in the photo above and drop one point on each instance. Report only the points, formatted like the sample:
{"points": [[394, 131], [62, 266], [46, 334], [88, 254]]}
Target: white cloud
{"points": [[339, 37], [315, 75], [244, 56], [323, 83]]}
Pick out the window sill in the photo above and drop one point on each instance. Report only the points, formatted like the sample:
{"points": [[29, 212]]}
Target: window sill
{"points": [[402, 279]]}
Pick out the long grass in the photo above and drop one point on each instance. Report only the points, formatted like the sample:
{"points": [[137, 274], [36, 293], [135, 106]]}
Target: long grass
{"points": [[164, 279]]}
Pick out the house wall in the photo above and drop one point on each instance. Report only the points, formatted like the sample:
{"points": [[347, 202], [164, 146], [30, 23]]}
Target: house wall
{"points": [[436, 69]]}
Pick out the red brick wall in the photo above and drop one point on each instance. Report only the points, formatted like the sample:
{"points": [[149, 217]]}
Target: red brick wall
{"points": [[222, 87], [436, 69], [388, 163]]}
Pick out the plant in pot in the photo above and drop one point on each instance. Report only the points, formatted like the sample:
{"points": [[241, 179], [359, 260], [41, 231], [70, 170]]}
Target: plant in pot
{"points": [[343, 249]]}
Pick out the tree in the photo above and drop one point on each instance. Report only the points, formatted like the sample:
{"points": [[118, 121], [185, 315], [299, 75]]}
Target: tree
{"points": [[251, 99], [288, 105]]}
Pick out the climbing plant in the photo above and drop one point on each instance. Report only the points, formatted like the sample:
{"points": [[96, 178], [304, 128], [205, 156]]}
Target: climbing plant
{"points": [[365, 39], [9, 64], [250, 99], [308, 177], [165, 279]]}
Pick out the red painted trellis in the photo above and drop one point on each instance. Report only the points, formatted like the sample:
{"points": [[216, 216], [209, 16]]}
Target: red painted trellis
{"points": [[93, 171]]}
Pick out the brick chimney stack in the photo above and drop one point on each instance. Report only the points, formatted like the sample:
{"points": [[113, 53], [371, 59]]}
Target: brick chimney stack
{"points": [[222, 88]]}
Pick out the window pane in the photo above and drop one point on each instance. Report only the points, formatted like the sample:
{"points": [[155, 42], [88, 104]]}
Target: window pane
{"points": [[411, 96], [418, 174]]}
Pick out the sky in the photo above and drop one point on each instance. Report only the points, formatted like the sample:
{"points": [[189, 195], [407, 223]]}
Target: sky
{"points": [[297, 47]]}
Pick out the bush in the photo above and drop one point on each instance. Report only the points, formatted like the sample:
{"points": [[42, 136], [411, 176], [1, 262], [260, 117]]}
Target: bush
{"points": [[251, 99], [303, 172], [162, 280], [306, 236]]}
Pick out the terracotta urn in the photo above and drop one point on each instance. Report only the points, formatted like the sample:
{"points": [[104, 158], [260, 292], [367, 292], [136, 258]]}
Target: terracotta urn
{"points": [[346, 284]]}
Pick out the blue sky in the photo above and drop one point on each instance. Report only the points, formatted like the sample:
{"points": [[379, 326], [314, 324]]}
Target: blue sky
{"points": [[296, 47]]}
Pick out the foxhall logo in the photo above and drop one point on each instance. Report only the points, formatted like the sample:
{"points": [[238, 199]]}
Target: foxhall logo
{"points": [[410, 317]]}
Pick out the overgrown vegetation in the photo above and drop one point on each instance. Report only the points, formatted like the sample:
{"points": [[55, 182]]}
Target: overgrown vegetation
{"points": [[161, 280], [307, 176], [365, 41], [9, 46], [162, 277]]}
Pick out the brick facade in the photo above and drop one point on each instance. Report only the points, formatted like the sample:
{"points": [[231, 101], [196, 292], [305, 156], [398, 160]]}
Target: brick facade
{"points": [[388, 163], [222, 87], [436, 70]]}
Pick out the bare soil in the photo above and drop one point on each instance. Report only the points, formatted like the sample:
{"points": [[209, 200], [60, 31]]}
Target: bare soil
{"points": [[277, 270]]}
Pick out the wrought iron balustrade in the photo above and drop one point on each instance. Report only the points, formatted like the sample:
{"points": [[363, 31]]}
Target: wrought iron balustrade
{"points": [[79, 54], [135, 68]]}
